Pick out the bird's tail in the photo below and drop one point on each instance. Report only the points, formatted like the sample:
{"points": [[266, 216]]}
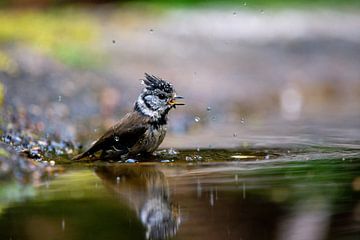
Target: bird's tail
{"points": [[81, 156]]}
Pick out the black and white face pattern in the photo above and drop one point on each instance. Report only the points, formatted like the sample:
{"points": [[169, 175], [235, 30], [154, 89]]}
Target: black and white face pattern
{"points": [[154, 99], [154, 103]]}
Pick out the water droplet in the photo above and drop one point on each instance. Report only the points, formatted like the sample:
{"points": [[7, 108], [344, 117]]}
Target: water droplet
{"points": [[197, 119], [213, 118], [63, 224], [244, 3], [113, 41], [234, 134], [208, 109], [211, 200], [262, 11], [234, 13], [172, 151], [117, 179], [59, 98], [198, 188], [242, 120], [151, 30], [116, 138], [343, 159], [244, 191]]}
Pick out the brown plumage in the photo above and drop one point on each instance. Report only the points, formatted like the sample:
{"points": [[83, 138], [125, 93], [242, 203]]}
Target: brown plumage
{"points": [[143, 129]]}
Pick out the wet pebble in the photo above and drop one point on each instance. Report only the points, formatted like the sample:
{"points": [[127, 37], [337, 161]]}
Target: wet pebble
{"points": [[166, 161], [193, 158], [36, 148], [130, 160]]}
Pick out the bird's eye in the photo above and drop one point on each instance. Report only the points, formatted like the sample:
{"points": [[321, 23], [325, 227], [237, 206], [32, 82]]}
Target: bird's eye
{"points": [[162, 96]]}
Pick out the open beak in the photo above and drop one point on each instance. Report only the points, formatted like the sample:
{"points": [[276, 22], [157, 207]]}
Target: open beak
{"points": [[173, 101]]}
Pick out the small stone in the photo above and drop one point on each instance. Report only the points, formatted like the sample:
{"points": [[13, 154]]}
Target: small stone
{"points": [[130, 160]]}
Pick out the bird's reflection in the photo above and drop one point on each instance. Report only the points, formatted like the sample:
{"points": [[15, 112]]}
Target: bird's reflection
{"points": [[146, 190]]}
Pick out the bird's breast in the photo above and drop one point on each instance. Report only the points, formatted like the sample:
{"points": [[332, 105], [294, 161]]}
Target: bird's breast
{"points": [[151, 140]]}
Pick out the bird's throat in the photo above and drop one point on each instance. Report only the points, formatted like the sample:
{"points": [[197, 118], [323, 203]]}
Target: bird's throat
{"points": [[157, 118]]}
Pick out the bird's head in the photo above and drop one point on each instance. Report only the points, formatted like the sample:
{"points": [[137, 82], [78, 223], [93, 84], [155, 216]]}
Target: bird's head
{"points": [[157, 98]]}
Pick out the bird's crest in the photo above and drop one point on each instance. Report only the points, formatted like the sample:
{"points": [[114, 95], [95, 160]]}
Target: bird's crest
{"points": [[152, 82]]}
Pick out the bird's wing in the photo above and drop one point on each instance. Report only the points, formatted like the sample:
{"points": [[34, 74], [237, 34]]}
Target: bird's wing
{"points": [[121, 136]]}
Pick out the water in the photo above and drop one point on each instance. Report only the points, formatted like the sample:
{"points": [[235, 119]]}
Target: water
{"points": [[245, 193]]}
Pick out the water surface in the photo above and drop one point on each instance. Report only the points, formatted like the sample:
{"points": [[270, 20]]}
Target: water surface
{"points": [[293, 193]]}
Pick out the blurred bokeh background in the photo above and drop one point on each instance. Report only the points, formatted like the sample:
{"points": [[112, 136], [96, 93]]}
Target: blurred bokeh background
{"points": [[251, 71]]}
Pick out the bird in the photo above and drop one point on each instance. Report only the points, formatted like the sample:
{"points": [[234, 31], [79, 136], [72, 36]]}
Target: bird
{"points": [[142, 130]]}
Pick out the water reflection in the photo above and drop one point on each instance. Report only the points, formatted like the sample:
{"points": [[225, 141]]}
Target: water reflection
{"points": [[146, 190], [312, 195]]}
